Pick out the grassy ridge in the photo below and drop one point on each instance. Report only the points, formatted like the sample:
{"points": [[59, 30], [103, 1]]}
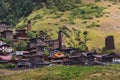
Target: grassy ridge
{"points": [[111, 72]]}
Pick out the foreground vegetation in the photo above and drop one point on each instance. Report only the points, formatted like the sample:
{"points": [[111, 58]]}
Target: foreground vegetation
{"points": [[111, 72], [7, 65]]}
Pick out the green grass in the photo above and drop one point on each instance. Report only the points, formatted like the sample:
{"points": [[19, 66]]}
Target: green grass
{"points": [[7, 65], [111, 72], [51, 20]]}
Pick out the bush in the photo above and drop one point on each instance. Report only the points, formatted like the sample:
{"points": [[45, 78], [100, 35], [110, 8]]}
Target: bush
{"points": [[82, 47], [93, 24], [62, 5], [16, 10], [97, 0], [37, 17], [8, 65], [20, 46], [46, 51], [88, 11], [31, 34]]}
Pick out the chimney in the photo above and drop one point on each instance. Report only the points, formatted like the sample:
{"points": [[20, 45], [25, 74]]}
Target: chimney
{"points": [[109, 42], [61, 40], [29, 26]]}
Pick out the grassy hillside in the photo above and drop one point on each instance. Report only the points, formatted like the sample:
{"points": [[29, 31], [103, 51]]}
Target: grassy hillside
{"points": [[111, 72], [108, 24]]}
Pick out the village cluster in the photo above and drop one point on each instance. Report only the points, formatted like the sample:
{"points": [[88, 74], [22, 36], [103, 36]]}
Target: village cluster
{"points": [[34, 54]]}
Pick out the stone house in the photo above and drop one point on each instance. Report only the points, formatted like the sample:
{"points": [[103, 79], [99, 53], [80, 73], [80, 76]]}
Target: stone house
{"points": [[3, 26], [7, 34]]}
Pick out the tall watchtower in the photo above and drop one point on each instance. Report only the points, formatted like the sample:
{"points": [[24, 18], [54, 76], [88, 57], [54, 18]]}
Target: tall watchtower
{"points": [[29, 26], [61, 40], [109, 42]]}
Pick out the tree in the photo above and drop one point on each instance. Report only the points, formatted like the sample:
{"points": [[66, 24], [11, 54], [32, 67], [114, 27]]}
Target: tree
{"points": [[31, 34], [21, 45], [8, 41], [85, 34], [12, 10], [62, 5], [3, 10], [27, 7], [82, 47], [85, 37]]}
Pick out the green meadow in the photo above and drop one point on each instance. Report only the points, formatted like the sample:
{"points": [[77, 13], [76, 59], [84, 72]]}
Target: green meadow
{"points": [[110, 72]]}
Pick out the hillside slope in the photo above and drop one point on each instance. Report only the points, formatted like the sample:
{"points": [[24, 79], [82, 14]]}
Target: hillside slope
{"points": [[51, 21], [111, 72]]}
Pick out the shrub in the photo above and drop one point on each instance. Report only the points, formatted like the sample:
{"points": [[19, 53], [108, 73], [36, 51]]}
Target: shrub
{"points": [[118, 7], [93, 24], [46, 51], [97, 0], [31, 34], [109, 5], [114, 3], [84, 22], [37, 17], [62, 5], [88, 11], [20, 46], [8, 65]]}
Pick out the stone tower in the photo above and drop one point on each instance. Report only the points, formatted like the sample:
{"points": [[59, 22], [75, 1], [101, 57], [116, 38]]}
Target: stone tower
{"points": [[29, 26], [109, 42], [61, 40]]}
